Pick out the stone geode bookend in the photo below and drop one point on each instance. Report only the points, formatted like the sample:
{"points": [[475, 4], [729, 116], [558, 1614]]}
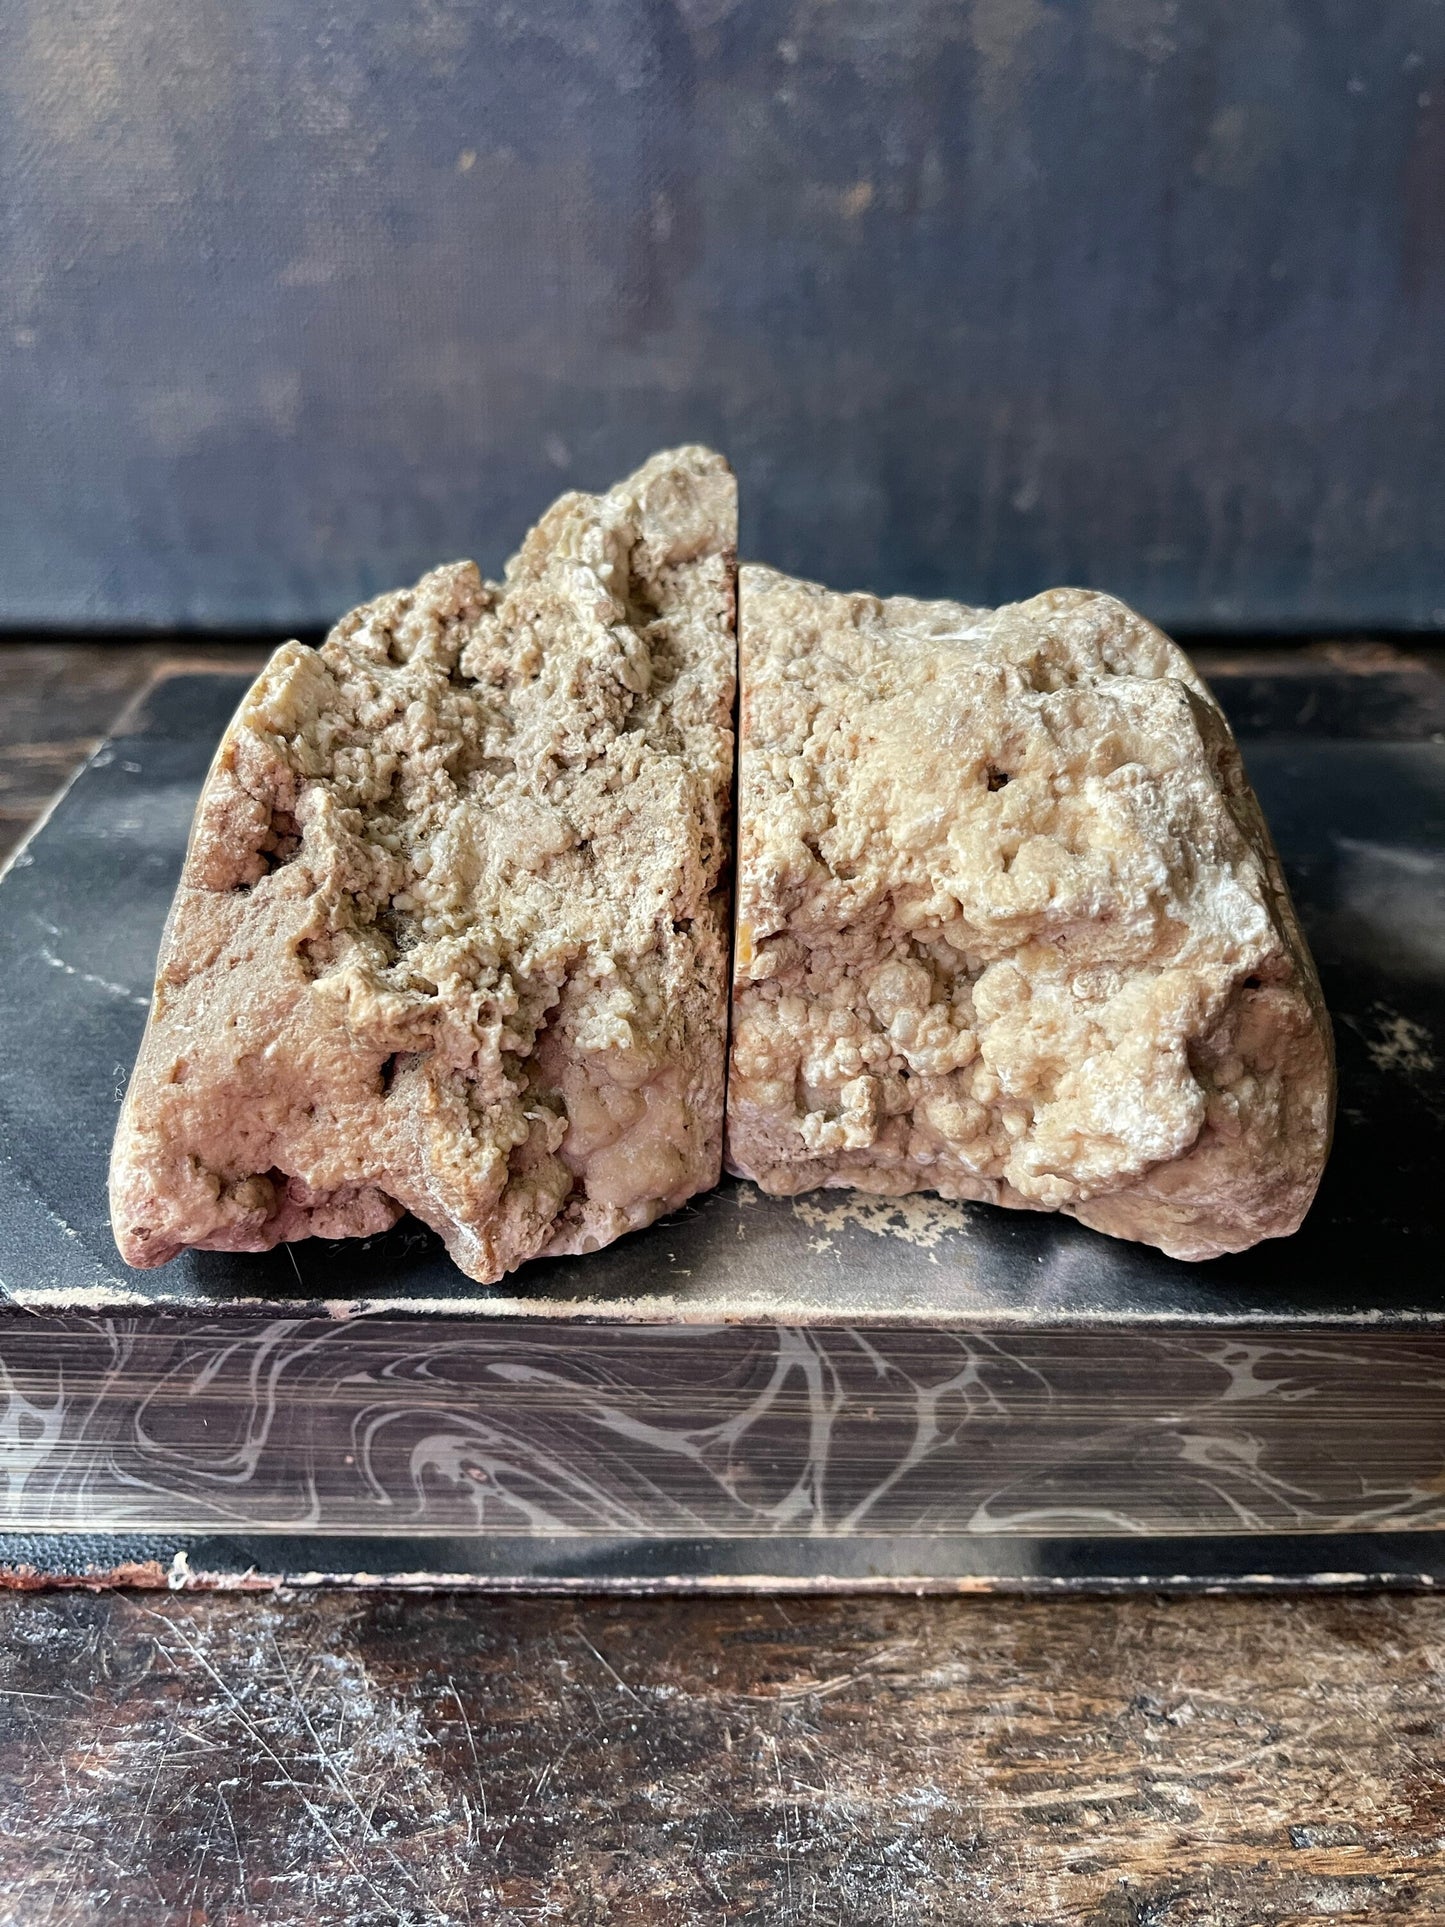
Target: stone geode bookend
{"points": [[451, 933], [1010, 923]]}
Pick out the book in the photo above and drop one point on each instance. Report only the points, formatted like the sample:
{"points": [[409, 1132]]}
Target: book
{"points": [[834, 1390]]}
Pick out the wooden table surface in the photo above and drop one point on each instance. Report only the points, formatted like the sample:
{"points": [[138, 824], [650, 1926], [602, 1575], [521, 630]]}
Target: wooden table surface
{"points": [[973, 1761]]}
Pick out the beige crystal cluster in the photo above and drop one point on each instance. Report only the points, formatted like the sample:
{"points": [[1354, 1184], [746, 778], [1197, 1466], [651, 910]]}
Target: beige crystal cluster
{"points": [[451, 933], [1010, 924], [451, 936]]}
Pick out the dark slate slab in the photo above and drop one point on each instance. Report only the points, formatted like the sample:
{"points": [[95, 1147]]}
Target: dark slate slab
{"points": [[1361, 825], [821, 1392]]}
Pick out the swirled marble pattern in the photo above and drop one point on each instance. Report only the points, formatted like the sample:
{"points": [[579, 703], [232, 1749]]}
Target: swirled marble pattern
{"points": [[465, 1427]]}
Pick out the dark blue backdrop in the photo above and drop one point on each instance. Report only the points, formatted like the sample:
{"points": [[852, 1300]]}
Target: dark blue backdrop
{"points": [[301, 296]]}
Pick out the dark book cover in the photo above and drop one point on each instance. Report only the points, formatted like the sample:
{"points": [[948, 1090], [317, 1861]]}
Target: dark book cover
{"points": [[832, 1390]]}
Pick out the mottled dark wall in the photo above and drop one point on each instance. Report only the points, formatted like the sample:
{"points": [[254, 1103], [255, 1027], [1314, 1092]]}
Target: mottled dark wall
{"points": [[301, 296]]}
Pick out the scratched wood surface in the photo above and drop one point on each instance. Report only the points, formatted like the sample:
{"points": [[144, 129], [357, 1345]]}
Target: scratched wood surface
{"points": [[980, 1762], [973, 1761], [58, 700]]}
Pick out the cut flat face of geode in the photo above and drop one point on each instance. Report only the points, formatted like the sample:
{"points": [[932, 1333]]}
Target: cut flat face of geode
{"points": [[1010, 926], [451, 934]]}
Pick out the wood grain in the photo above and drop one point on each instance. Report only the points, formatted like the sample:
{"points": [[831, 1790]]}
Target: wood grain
{"points": [[1114, 1762], [980, 1762], [57, 701]]}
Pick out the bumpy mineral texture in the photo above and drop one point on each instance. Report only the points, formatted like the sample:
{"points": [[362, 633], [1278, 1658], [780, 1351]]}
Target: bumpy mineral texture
{"points": [[452, 931], [1010, 925]]}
